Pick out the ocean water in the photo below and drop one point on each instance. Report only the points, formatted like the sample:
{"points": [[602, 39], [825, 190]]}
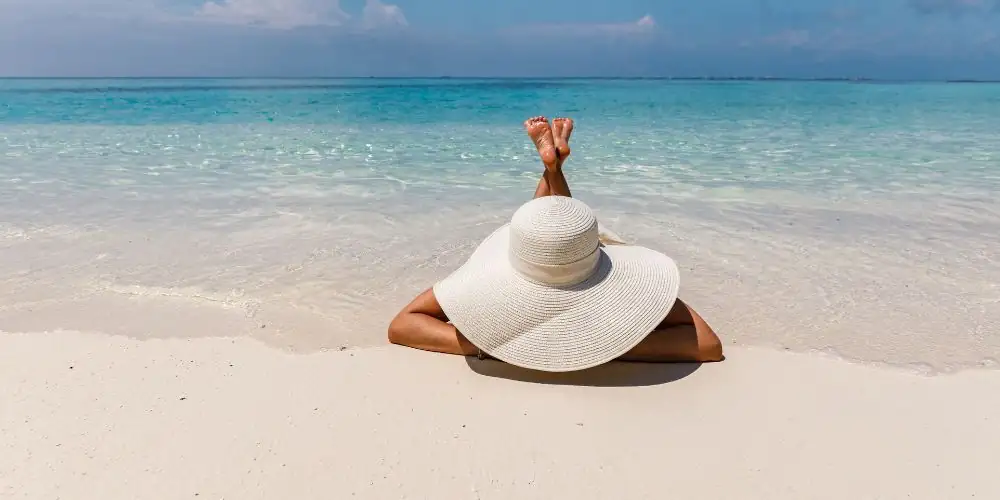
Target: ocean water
{"points": [[854, 218]]}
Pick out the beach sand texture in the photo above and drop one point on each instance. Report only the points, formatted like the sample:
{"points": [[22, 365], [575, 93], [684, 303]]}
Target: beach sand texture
{"points": [[95, 416]]}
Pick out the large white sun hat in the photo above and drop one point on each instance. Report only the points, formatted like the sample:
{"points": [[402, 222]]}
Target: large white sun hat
{"points": [[543, 292]]}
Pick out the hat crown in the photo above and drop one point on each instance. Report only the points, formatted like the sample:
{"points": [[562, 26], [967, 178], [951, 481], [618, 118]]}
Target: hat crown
{"points": [[553, 231]]}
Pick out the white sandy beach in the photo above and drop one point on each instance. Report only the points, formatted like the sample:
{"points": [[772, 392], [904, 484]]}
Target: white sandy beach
{"points": [[97, 416]]}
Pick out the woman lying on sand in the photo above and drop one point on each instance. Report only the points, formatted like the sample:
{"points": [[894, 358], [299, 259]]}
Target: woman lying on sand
{"points": [[544, 293]]}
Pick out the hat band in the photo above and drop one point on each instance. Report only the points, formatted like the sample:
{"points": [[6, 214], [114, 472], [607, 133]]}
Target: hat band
{"points": [[561, 274]]}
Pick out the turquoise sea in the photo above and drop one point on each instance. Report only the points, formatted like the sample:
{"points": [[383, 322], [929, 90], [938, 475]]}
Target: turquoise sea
{"points": [[858, 218]]}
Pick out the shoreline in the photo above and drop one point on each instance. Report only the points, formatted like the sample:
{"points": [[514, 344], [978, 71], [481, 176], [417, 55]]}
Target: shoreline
{"points": [[232, 418], [916, 368], [145, 315], [308, 277]]}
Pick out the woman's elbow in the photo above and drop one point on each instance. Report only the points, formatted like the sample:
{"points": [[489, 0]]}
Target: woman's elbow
{"points": [[710, 350], [397, 329]]}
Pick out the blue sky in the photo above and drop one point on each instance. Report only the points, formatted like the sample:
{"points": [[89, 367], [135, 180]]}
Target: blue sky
{"points": [[791, 38]]}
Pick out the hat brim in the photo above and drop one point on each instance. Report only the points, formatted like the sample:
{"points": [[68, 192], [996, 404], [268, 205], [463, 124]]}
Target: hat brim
{"points": [[558, 328]]}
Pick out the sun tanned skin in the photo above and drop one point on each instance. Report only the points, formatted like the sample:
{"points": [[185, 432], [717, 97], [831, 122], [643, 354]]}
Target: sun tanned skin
{"points": [[683, 336]]}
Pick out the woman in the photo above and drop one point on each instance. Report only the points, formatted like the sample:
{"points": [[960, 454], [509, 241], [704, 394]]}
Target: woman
{"points": [[548, 292]]}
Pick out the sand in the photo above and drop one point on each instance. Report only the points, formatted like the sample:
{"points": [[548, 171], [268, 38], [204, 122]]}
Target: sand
{"points": [[111, 417]]}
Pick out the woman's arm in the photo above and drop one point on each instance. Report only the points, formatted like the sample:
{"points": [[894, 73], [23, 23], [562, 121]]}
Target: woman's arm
{"points": [[682, 337], [422, 324], [677, 344]]}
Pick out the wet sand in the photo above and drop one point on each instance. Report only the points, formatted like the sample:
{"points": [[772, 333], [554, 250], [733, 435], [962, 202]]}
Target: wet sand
{"points": [[883, 282]]}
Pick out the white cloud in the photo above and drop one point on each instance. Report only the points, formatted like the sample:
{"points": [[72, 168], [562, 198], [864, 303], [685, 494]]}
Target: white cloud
{"points": [[644, 25], [281, 14], [287, 14], [646, 22], [380, 15], [11, 10], [278, 14]]}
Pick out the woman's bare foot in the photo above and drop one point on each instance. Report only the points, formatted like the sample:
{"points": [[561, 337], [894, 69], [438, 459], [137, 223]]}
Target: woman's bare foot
{"points": [[562, 129], [541, 134]]}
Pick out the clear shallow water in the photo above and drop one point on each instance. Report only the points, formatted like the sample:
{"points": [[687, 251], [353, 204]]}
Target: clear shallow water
{"points": [[855, 218], [832, 137]]}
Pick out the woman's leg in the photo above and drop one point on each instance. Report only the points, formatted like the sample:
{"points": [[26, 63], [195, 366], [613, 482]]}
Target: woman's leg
{"points": [[553, 148]]}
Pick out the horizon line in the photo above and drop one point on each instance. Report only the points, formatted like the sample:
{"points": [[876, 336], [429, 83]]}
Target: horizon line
{"points": [[447, 77]]}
